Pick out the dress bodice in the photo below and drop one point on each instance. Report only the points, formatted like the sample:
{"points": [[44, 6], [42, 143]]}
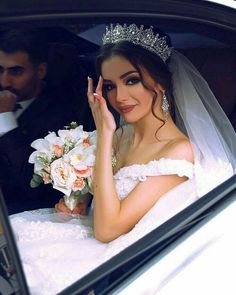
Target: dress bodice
{"points": [[128, 177]]}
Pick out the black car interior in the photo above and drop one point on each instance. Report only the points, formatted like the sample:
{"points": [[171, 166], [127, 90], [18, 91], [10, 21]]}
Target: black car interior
{"points": [[72, 59]]}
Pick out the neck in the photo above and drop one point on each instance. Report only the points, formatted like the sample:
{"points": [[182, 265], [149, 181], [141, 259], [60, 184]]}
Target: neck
{"points": [[150, 131], [39, 89]]}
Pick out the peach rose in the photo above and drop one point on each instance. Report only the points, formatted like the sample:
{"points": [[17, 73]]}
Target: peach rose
{"points": [[79, 184], [63, 176], [83, 173], [46, 178], [86, 143], [58, 150]]}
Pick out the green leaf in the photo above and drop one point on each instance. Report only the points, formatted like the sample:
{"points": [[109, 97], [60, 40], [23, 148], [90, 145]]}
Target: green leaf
{"points": [[85, 190], [36, 180], [33, 184], [73, 125]]}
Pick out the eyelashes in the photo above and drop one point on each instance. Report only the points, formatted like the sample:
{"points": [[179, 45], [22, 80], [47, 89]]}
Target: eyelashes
{"points": [[133, 81], [108, 87], [129, 81]]}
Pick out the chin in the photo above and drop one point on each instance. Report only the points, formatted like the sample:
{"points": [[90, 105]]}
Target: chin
{"points": [[128, 120]]}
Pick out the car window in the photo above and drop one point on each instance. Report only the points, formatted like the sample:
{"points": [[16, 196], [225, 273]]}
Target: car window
{"points": [[12, 280], [72, 50]]}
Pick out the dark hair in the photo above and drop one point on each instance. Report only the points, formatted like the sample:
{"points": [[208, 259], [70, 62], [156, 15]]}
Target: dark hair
{"points": [[140, 57], [31, 41]]}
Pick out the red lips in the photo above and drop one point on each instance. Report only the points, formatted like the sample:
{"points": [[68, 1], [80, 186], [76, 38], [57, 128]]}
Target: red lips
{"points": [[126, 109]]}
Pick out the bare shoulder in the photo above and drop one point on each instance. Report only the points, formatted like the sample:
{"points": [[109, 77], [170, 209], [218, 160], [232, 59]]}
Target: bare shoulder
{"points": [[179, 149]]}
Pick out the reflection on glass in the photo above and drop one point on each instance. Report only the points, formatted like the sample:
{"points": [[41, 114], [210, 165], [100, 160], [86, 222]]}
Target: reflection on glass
{"points": [[8, 280]]}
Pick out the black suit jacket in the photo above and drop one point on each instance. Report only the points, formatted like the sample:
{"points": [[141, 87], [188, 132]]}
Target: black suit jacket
{"points": [[47, 113]]}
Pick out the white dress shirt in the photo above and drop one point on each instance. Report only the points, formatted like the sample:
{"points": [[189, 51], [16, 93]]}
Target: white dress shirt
{"points": [[8, 120]]}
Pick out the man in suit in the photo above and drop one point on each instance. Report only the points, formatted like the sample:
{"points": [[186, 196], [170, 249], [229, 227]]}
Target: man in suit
{"points": [[29, 109]]}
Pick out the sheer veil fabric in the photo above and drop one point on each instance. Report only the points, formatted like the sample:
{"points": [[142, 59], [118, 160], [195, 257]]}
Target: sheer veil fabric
{"points": [[199, 113], [200, 116]]}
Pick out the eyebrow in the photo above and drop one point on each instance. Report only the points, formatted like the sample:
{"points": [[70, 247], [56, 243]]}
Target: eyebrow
{"points": [[127, 73], [123, 75], [12, 68]]}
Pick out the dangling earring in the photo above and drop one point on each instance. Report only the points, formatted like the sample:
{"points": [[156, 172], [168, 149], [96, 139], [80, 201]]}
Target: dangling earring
{"points": [[165, 104]]}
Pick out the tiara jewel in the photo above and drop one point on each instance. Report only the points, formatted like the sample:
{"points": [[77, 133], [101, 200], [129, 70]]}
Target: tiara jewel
{"points": [[139, 36]]}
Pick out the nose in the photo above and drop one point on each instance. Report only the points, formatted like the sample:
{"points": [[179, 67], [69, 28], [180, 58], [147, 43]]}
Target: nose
{"points": [[5, 79], [121, 94]]}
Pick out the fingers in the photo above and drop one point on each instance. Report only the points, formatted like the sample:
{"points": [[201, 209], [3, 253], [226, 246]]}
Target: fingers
{"points": [[96, 98], [98, 92], [7, 94], [78, 210], [61, 207], [90, 91], [99, 86]]}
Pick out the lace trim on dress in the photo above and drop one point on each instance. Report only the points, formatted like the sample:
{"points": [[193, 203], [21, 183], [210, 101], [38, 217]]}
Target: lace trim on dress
{"points": [[163, 166], [129, 176]]}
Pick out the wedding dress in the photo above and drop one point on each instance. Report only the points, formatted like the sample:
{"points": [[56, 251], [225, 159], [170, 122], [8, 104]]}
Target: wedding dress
{"points": [[55, 253]]}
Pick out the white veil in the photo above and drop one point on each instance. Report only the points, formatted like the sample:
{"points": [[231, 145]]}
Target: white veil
{"points": [[200, 116]]}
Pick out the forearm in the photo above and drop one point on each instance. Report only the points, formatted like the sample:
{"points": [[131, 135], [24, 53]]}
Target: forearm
{"points": [[106, 202]]}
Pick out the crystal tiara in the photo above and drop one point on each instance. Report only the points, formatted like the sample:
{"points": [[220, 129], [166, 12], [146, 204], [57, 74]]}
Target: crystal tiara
{"points": [[139, 36]]}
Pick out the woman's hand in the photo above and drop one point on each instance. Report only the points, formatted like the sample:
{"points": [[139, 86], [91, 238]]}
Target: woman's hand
{"points": [[103, 118], [81, 208]]}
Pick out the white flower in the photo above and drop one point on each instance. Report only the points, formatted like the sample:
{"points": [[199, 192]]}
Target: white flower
{"points": [[73, 135], [63, 176], [44, 153], [81, 158], [52, 138], [40, 160], [93, 137], [41, 145]]}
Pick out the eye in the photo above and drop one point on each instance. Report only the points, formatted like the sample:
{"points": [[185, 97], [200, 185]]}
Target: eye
{"points": [[133, 80], [16, 71], [108, 87]]}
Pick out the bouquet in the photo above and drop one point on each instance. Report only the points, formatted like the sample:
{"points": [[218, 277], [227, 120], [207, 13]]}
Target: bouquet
{"points": [[66, 160]]}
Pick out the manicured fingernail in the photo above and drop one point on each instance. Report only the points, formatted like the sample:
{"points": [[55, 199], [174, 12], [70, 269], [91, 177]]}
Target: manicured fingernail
{"points": [[89, 78], [97, 95]]}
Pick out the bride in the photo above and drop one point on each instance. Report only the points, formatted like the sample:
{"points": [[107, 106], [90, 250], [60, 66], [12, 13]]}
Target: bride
{"points": [[174, 138]]}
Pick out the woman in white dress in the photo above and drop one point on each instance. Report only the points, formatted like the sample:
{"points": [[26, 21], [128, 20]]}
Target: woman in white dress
{"points": [[164, 161]]}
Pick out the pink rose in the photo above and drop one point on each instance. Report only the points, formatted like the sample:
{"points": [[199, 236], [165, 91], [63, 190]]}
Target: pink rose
{"points": [[46, 177], [58, 150], [84, 173], [79, 184], [86, 143]]}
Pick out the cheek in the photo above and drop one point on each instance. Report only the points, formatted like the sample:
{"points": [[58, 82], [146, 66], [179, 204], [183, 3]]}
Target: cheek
{"points": [[111, 98], [25, 81], [146, 97]]}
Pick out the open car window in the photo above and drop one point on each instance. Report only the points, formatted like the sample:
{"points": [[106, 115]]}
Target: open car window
{"points": [[74, 42]]}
